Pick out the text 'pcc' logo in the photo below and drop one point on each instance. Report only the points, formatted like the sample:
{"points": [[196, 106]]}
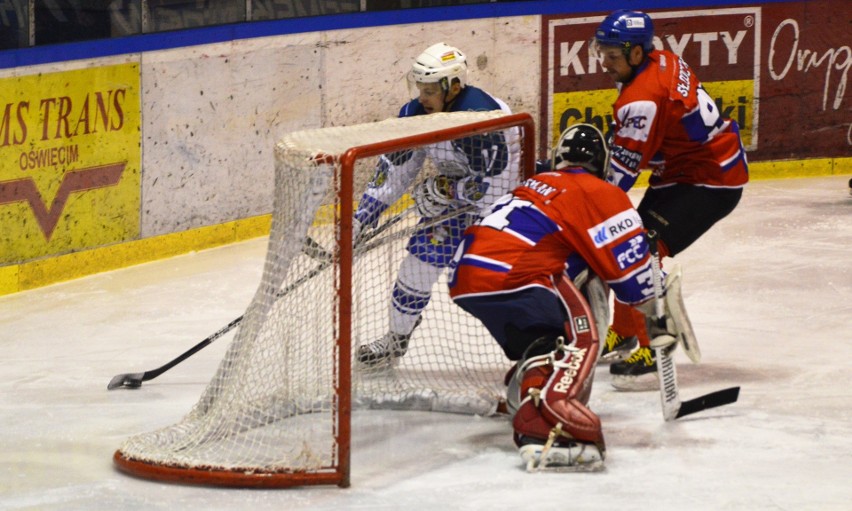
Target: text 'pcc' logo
{"points": [[615, 227]]}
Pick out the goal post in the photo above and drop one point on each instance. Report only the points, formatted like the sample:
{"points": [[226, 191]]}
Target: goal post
{"points": [[279, 410]]}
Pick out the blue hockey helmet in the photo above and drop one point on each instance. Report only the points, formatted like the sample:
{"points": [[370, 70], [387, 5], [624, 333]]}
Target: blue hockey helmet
{"points": [[626, 29]]}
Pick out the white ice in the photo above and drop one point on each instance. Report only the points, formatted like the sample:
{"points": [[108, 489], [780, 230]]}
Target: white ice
{"points": [[769, 290]]}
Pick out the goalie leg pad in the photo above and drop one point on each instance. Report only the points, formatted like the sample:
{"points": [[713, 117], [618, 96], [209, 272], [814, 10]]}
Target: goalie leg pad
{"points": [[555, 387], [555, 390], [552, 424], [553, 427]]}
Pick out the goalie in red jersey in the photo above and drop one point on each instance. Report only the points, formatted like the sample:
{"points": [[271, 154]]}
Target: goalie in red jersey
{"points": [[516, 270], [666, 121]]}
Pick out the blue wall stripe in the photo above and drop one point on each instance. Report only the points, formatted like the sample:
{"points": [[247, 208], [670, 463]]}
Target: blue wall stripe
{"points": [[222, 33]]}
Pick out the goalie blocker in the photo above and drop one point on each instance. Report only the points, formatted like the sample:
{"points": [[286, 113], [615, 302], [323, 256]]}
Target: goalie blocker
{"points": [[671, 324], [548, 394]]}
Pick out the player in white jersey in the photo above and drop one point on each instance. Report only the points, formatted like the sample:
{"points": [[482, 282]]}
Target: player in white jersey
{"points": [[472, 173]]}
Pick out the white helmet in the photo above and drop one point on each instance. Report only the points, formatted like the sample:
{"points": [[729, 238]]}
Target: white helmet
{"points": [[439, 63]]}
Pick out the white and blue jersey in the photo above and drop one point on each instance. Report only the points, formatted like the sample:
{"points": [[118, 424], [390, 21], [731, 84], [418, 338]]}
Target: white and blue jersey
{"points": [[487, 166]]}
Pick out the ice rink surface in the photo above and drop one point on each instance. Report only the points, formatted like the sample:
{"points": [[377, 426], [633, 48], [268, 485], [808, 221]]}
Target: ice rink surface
{"points": [[769, 290]]}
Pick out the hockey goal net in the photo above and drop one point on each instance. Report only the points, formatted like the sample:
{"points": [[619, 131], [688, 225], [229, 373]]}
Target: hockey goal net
{"points": [[279, 410]]}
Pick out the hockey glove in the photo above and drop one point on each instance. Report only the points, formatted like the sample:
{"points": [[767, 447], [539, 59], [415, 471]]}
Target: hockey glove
{"points": [[675, 325], [434, 195]]}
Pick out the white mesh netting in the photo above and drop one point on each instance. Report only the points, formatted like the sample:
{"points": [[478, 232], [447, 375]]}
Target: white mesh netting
{"points": [[272, 407]]}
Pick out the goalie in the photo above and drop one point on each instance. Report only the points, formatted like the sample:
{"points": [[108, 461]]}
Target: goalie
{"points": [[514, 271], [472, 173]]}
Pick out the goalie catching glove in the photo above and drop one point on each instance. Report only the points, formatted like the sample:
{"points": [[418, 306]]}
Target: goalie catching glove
{"points": [[436, 194]]}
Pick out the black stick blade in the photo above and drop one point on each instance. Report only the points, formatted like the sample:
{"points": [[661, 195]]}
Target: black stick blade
{"points": [[130, 381], [711, 400]]}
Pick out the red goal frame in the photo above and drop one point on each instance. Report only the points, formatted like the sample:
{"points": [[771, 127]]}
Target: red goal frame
{"points": [[339, 473]]}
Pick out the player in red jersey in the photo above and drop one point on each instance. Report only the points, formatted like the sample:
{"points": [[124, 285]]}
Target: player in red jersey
{"points": [[515, 271], [666, 121]]}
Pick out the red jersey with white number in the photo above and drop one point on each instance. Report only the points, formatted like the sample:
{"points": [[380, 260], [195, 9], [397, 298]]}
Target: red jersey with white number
{"points": [[664, 118], [552, 220]]}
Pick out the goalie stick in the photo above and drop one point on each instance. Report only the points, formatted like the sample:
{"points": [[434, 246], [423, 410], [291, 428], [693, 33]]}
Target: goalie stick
{"points": [[368, 242], [673, 407]]}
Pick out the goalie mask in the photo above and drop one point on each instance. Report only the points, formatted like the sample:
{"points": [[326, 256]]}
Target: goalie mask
{"points": [[582, 145], [441, 64]]}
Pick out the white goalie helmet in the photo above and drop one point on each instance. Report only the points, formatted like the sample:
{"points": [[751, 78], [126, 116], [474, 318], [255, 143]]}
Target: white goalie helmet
{"points": [[439, 63]]}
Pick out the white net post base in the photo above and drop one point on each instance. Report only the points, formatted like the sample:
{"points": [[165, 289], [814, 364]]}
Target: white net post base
{"points": [[277, 413]]}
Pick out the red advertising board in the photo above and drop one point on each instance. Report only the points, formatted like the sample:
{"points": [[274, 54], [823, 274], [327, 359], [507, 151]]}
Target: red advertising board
{"points": [[780, 70]]}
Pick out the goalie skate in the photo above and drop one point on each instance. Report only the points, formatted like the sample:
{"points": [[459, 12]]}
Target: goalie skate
{"points": [[568, 457]]}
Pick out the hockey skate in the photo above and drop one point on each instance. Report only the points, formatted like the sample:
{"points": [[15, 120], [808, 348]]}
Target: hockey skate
{"points": [[616, 348], [566, 456], [384, 352], [636, 373]]}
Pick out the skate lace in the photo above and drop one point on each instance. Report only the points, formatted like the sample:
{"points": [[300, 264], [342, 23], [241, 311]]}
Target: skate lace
{"points": [[389, 342], [643, 354], [612, 340], [377, 347]]}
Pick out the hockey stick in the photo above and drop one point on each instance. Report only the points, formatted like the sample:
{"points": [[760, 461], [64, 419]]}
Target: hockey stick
{"points": [[134, 380], [311, 248], [368, 242], [315, 250], [673, 407]]}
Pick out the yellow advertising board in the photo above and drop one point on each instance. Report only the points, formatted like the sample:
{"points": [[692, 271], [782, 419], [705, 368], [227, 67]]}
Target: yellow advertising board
{"points": [[735, 99], [70, 161]]}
